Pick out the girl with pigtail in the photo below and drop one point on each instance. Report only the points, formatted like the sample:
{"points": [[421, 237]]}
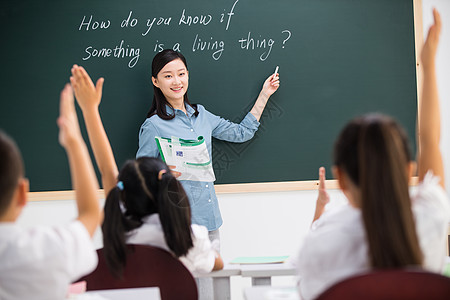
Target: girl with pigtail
{"points": [[145, 204], [383, 226]]}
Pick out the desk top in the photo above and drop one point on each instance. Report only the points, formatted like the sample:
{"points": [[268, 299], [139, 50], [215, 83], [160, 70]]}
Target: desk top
{"points": [[271, 293], [267, 270], [252, 270], [227, 271], [151, 293]]}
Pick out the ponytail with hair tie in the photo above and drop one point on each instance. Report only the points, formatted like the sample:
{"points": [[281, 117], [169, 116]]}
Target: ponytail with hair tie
{"points": [[175, 214], [161, 173], [114, 231]]}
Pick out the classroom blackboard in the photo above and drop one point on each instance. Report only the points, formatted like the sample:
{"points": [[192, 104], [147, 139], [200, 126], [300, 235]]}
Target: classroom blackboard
{"points": [[337, 59]]}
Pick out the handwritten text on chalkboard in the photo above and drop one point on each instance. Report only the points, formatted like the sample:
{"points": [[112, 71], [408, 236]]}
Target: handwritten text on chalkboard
{"points": [[202, 42]]}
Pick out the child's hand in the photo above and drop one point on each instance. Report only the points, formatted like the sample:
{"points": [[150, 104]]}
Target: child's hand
{"points": [[175, 174], [323, 198], [88, 96], [429, 48], [69, 130]]}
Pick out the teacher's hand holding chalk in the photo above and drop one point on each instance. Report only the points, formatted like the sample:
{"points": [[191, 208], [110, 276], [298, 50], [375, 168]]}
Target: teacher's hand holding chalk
{"points": [[270, 86]]}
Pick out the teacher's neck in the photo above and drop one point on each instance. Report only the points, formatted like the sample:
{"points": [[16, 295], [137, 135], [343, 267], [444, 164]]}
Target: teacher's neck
{"points": [[178, 104]]}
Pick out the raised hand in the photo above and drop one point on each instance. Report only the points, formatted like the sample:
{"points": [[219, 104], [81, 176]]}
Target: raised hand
{"points": [[88, 95], [322, 198], [431, 43], [69, 130]]}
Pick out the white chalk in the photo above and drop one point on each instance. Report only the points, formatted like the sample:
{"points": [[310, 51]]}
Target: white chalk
{"points": [[276, 71]]}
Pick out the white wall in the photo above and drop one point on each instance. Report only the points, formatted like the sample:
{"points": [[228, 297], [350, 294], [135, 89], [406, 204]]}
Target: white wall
{"points": [[273, 223]]}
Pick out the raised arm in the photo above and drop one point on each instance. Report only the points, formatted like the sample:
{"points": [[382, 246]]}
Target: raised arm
{"points": [[429, 156], [83, 177], [322, 198], [269, 87], [88, 97]]}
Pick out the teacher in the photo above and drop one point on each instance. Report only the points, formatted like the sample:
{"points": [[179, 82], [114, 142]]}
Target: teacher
{"points": [[171, 114]]}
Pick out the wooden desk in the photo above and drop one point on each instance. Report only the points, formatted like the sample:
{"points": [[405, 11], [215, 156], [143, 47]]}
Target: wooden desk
{"points": [[261, 274], [151, 293], [271, 293]]}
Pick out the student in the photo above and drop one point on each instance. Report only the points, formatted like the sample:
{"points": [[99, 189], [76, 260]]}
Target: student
{"points": [[145, 204], [41, 262], [171, 114], [382, 227]]}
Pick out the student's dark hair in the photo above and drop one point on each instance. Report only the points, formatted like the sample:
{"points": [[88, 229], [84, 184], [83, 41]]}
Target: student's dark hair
{"points": [[11, 169], [143, 194], [373, 151], [159, 101]]}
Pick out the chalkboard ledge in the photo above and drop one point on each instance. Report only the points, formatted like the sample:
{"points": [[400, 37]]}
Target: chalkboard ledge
{"points": [[220, 189]]}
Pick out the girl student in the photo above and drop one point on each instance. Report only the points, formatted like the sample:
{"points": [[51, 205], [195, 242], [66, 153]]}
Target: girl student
{"points": [[172, 114], [145, 204], [383, 226]]}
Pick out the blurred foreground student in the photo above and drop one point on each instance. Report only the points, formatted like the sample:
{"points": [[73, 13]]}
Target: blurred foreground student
{"points": [[40, 263], [145, 204], [383, 226]]}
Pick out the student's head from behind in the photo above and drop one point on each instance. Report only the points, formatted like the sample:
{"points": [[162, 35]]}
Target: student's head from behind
{"points": [[373, 165], [373, 146], [13, 186], [145, 186], [170, 78]]}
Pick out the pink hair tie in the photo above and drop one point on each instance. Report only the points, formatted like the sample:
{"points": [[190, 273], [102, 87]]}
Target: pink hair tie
{"points": [[160, 174]]}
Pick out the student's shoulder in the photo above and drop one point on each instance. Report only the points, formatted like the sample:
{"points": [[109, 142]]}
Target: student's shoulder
{"points": [[74, 231], [199, 232], [343, 219], [431, 198], [53, 238]]}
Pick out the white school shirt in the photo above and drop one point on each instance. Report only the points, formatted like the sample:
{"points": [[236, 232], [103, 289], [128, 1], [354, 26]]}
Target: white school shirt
{"points": [[199, 259], [336, 248], [41, 262]]}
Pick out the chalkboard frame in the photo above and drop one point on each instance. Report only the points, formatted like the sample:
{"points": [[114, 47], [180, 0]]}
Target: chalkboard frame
{"points": [[268, 186]]}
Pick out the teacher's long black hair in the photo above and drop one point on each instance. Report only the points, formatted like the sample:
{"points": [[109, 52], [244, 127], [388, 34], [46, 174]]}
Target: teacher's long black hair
{"points": [[145, 187]]}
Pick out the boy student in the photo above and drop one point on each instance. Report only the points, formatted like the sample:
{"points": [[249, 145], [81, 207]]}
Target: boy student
{"points": [[40, 263]]}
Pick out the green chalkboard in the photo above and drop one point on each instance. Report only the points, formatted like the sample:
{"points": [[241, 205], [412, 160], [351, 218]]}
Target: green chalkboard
{"points": [[337, 59]]}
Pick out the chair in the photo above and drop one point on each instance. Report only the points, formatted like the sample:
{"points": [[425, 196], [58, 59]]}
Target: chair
{"points": [[146, 267], [391, 284]]}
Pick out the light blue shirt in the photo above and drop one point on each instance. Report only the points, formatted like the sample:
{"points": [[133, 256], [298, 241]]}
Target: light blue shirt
{"points": [[202, 196]]}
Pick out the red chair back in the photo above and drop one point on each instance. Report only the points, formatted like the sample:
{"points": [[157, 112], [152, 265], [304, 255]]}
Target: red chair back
{"points": [[391, 284], [146, 267]]}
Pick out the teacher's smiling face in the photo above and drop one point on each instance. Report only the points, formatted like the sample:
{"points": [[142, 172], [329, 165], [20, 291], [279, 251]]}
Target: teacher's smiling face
{"points": [[173, 81]]}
